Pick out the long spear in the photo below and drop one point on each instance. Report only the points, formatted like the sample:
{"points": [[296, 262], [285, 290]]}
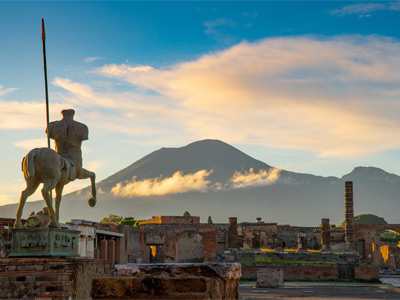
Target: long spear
{"points": [[45, 83], [46, 92]]}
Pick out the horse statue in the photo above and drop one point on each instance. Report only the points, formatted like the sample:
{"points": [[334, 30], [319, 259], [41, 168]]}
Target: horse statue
{"points": [[56, 168]]}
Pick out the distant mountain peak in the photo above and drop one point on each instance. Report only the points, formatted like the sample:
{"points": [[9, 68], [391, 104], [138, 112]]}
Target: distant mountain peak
{"points": [[370, 173]]}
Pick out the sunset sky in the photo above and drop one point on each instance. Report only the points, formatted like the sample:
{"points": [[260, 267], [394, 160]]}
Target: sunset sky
{"points": [[307, 86]]}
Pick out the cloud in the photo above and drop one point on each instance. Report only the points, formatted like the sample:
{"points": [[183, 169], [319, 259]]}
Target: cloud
{"points": [[4, 91], [32, 116], [31, 144], [92, 59], [249, 178], [5, 199], [177, 184], [333, 96], [213, 26], [363, 9]]}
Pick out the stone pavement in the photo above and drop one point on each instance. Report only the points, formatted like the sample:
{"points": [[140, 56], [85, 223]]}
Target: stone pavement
{"points": [[320, 291]]}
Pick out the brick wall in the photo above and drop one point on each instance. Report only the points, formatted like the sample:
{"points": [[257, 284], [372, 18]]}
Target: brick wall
{"points": [[295, 271], [366, 272], [49, 278], [338, 257]]}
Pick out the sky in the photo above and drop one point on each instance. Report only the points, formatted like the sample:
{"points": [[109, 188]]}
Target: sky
{"points": [[307, 86]]}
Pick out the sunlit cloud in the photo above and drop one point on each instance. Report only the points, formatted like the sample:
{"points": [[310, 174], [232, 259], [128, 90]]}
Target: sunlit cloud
{"points": [[93, 165], [4, 91], [333, 96], [31, 144], [363, 9], [32, 116], [5, 199], [92, 59], [176, 184], [212, 26], [249, 178], [83, 93]]}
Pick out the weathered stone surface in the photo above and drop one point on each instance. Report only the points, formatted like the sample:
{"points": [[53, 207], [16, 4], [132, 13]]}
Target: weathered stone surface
{"points": [[55, 279], [268, 277], [44, 242], [170, 281]]}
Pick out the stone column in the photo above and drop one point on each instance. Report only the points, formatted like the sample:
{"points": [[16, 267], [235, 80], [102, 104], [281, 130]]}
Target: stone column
{"points": [[326, 234], [82, 246], [349, 216], [232, 233], [90, 247], [111, 251], [120, 251], [104, 250]]}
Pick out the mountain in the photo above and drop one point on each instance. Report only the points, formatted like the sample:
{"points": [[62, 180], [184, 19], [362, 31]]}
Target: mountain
{"points": [[212, 178]]}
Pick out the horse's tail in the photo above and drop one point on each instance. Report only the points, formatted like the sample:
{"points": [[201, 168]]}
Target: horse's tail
{"points": [[28, 165]]}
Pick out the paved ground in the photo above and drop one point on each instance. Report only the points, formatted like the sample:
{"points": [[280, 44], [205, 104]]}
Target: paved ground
{"points": [[320, 291]]}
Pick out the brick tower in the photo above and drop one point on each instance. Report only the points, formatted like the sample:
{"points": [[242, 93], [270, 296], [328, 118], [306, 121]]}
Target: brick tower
{"points": [[349, 215]]}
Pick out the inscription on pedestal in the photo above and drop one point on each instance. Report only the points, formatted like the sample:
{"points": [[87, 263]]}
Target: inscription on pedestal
{"points": [[44, 242]]}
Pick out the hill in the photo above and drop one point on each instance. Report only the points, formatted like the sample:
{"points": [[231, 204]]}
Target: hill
{"points": [[212, 178]]}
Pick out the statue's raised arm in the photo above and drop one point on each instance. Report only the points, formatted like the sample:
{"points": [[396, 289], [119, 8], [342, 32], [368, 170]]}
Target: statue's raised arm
{"points": [[56, 168]]}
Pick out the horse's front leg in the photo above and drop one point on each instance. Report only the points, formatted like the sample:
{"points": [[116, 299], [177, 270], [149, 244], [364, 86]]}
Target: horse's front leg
{"points": [[59, 190], [30, 189], [47, 187], [84, 174]]}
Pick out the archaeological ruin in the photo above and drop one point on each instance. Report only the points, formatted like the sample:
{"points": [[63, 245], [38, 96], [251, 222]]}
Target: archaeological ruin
{"points": [[242, 249]]}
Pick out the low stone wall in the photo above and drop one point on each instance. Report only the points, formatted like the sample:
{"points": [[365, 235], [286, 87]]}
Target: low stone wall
{"points": [[367, 272], [38, 278], [337, 257], [294, 271], [170, 281]]}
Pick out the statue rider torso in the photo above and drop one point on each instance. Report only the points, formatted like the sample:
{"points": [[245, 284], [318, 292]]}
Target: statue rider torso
{"points": [[68, 135]]}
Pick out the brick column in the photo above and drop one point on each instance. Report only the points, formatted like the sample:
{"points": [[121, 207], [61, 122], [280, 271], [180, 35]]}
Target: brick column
{"points": [[349, 216], [326, 234], [232, 233], [111, 251], [104, 250], [120, 251]]}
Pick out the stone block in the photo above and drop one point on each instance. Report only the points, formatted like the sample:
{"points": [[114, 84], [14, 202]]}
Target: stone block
{"points": [[44, 242], [170, 281], [269, 278]]}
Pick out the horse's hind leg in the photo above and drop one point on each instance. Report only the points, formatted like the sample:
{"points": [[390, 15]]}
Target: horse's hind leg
{"points": [[48, 185], [88, 174], [31, 187], [59, 189]]}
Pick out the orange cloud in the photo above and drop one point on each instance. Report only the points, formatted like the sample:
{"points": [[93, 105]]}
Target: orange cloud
{"points": [[249, 178], [176, 184], [335, 97]]}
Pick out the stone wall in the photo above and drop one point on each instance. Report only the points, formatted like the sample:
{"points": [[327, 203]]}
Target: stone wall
{"points": [[257, 235], [170, 281], [294, 271], [177, 243], [337, 257], [366, 272], [368, 244], [172, 220], [288, 234], [38, 278]]}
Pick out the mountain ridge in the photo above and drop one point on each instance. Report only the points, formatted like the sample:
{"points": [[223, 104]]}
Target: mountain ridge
{"points": [[292, 198]]}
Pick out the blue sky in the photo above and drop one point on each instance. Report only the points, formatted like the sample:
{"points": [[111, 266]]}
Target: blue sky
{"points": [[307, 86]]}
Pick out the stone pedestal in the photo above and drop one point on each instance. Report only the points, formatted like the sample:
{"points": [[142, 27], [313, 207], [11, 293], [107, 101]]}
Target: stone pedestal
{"points": [[269, 278], [170, 281], [44, 242]]}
